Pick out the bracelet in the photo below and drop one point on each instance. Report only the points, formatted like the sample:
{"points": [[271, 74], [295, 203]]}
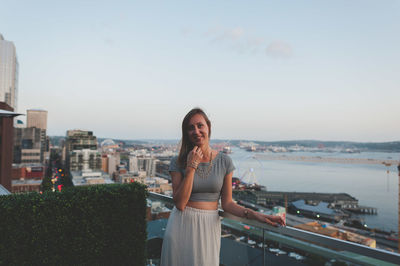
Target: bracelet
{"points": [[246, 213], [193, 165]]}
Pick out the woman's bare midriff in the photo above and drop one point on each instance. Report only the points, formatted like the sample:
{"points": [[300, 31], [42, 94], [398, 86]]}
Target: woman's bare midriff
{"points": [[203, 205]]}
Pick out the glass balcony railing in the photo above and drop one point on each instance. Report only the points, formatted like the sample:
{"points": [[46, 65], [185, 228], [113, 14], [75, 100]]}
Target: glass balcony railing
{"points": [[248, 242]]}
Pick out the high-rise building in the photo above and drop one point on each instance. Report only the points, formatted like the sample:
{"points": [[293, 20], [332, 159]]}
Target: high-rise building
{"points": [[133, 164], [104, 163], [113, 161], [84, 159], [36, 118], [81, 151], [143, 163], [8, 73], [110, 162], [148, 165], [28, 145], [80, 139]]}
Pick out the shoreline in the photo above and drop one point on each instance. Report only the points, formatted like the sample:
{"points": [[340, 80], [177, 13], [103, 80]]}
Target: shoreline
{"points": [[319, 159], [295, 177]]}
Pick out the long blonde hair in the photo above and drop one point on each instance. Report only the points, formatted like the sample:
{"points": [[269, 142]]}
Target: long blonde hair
{"points": [[186, 144]]}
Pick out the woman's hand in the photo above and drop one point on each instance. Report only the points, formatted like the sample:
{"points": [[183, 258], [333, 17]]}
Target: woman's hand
{"points": [[273, 220], [194, 157]]}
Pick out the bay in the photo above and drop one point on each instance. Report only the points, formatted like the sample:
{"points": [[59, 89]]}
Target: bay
{"points": [[374, 185]]}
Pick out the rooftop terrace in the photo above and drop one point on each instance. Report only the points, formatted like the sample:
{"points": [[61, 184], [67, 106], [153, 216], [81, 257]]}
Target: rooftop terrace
{"points": [[294, 241]]}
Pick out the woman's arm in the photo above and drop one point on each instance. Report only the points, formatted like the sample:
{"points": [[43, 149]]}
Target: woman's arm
{"points": [[229, 206], [182, 187]]}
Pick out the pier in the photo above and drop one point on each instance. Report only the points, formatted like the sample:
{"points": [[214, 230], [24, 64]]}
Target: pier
{"points": [[271, 198], [363, 210], [341, 201]]}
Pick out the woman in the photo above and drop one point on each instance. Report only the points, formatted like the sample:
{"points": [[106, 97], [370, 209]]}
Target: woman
{"points": [[200, 175]]}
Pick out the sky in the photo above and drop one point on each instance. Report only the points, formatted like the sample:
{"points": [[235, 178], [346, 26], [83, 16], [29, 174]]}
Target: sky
{"points": [[262, 70]]}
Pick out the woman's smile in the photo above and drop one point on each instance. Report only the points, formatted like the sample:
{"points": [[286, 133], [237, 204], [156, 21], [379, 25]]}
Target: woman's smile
{"points": [[198, 130]]}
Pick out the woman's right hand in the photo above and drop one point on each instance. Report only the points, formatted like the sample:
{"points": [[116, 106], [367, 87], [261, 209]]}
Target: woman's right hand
{"points": [[194, 157], [273, 220]]}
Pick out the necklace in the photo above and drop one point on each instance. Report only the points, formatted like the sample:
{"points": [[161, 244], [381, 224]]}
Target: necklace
{"points": [[204, 173]]}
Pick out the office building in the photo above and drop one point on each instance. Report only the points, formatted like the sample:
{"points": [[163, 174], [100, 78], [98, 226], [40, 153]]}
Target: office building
{"points": [[113, 161], [104, 163], [133, 164], [79, 140], [81, 151], [84, 159], [143, 163], [8, 73], [36, 118], [29, 145], [148, 164]]}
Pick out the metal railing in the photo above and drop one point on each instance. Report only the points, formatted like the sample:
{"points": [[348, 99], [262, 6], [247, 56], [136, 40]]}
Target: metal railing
{"points": [[321, 244]]}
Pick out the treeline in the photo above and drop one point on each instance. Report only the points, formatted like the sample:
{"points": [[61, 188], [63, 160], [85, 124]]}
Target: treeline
{"points": [[393, 146]]}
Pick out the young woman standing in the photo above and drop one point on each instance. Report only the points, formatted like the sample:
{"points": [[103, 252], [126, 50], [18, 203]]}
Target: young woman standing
{"points": [[200, 176]]}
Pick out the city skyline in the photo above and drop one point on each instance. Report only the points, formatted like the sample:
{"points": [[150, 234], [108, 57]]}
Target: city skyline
{"points": [[265, 71], [8, 73]]}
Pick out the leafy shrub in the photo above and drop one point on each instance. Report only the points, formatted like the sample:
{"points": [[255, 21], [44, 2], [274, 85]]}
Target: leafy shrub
{"points": [[92, 225]]}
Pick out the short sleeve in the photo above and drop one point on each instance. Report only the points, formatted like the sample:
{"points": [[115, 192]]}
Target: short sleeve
{"points": [[173, 166], [229, 165]]}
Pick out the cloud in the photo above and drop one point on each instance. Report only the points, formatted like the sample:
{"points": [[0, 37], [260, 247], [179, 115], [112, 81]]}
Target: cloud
{"points": [[235, 33], [236, 38], [279, 49], [241, 41], [218, 34]]}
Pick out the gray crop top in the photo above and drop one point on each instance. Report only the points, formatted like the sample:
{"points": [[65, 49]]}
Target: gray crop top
{"points": [[207, 189]]}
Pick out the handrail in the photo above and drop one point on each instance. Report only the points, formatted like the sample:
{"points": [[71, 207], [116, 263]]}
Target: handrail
{"points": [[325, 241]]}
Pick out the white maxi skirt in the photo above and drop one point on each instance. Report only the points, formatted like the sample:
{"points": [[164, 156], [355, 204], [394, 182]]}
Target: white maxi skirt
{"points": [[192, 238]]}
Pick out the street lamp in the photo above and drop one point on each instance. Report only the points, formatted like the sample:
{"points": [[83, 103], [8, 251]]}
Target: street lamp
{"points": [[398, 229]]}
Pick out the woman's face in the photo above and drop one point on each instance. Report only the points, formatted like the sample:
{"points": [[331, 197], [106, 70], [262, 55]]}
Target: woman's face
{"points": [[198, 130]]}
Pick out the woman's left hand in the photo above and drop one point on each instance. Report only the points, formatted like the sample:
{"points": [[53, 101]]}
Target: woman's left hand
{"points": [[273, 220]]}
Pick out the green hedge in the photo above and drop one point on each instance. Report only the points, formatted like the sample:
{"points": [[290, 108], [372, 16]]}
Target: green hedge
{"points": [[93, 225]]}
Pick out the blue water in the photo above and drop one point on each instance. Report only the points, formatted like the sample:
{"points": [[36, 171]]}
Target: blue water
{"points": [[370, 184]]}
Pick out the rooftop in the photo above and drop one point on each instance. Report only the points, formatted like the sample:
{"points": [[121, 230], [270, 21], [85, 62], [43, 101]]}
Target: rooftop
{"points": [[317, 248], [321, 207]]}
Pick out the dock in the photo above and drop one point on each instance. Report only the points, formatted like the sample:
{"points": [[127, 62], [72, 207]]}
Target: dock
{"points": [[363, 210], [342, 201]]}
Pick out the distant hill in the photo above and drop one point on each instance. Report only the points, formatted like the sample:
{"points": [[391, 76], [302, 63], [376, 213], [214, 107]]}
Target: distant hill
{"points": [[393, 146]]}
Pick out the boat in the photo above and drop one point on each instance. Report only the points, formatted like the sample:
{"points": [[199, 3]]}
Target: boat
{"points": [[227, 150], [251, 148]]}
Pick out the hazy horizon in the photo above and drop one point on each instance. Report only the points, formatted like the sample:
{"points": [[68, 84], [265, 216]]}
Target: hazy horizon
{"points": [[219, 139]]}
